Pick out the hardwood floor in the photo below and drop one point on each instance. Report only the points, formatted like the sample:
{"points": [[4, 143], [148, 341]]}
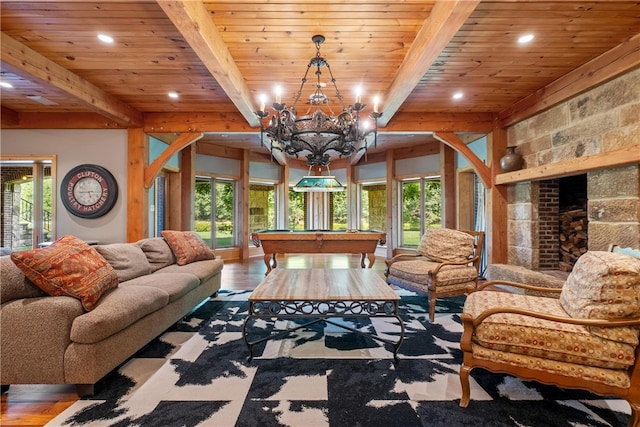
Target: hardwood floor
{"points": [[35, 405]]}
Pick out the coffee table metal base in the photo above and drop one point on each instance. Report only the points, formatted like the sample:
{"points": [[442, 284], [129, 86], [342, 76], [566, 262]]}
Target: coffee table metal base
{"points": [[319, 311]]}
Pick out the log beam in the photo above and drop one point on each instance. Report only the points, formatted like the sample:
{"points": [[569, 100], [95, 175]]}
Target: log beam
{"points": [[9, 117], [193, 21], [29, 64], [444, 21]]}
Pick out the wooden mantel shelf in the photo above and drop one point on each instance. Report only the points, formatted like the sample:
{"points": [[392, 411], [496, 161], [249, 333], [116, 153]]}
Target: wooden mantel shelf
{"points": [[622, 157]]}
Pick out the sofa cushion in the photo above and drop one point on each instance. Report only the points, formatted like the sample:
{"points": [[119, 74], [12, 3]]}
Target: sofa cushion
{"points": [[126, 258], [117, 310], [157, 251], [203, 270], [70, 267], [176, 285], [603, 285], [14, 284], [530, 336], [187, 246], [445, 244]]}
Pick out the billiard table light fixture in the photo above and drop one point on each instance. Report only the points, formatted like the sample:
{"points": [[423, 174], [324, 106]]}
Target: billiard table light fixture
{"points": [[318, 133], [317, 184]]}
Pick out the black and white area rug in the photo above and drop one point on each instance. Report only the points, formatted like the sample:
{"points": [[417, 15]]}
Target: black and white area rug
{"points": [[196, 374]]}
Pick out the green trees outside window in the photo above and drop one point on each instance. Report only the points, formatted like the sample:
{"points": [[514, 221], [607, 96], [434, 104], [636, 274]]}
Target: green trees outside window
{"points": [[218, 217], [338, 210], [421, 209], [297, 210]]}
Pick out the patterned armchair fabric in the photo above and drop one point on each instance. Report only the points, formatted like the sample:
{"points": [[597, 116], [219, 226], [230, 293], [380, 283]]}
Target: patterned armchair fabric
{"points": [[444, 264], [587, 339]]}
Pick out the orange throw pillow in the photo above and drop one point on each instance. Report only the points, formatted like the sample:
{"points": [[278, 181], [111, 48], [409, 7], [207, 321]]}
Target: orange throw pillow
{"points": [[187, 246], [69, 267]]}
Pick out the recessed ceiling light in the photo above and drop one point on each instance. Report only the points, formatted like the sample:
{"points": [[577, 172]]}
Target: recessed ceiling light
{"points": [[105, 38], [458, 95], [173, 95], [525, 38], [6, 84]]}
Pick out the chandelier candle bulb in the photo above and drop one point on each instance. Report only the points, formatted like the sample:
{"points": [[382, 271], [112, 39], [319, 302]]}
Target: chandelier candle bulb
{"points": [[263, 101], [278, 95]]}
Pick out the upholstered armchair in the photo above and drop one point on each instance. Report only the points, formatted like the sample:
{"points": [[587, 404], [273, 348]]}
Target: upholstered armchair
{"points": [[585, 339], [445, 264]]}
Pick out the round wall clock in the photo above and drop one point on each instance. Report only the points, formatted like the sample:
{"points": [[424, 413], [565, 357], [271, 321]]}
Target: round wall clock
{"points": [[89, 191]]}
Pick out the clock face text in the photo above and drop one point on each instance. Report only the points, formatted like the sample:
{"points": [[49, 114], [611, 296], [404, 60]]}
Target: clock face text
{"points": [[87, 191]]}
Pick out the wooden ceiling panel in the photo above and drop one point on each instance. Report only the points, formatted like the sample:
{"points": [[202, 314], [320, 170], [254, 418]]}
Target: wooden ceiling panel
{"points": [[485, 62], [148, 59], [365, 44], [383, 46]]}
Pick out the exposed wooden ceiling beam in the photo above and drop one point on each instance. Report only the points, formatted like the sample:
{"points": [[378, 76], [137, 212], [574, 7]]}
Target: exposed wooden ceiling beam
{"points": [[195, 122], [192, 19], [9, 117], [446, 18], [77, 120], [30, 65]]}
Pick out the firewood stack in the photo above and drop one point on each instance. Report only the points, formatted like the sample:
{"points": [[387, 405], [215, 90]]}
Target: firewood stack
{"points": [[573, 237]]}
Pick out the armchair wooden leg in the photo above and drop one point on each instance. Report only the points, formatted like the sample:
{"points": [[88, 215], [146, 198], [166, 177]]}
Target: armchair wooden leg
{"points": [[464, 382], [432, 308], [634, 421]]}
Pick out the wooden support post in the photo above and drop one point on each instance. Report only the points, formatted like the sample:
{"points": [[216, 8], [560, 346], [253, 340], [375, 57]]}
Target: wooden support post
{"points": [[448, 185], [497, 220], [137, 195]]}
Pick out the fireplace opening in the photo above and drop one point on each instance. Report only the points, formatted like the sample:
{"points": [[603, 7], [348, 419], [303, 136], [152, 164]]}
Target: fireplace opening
{"points": [[573, 221]]}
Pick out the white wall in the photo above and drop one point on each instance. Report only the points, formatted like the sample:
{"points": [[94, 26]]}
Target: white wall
{"points": [[107, 148]]}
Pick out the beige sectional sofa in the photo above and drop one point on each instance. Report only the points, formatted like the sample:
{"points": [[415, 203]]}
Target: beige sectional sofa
{"points": [[55, 340]]}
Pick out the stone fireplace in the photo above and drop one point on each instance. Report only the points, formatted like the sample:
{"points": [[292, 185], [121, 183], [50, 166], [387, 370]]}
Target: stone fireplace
{"points": [[602, 207], [601, 120]]}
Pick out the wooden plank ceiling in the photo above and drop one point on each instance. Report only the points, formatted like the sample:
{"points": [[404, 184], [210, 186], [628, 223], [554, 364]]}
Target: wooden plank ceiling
{"points": [[219, 56]]}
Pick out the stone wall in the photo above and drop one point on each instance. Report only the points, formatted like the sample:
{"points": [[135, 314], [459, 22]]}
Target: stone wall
{"points": [[603, 119]]}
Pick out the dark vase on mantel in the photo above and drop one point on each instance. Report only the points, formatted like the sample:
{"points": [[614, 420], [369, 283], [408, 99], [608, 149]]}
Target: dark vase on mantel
{"points": [[511, 161]]}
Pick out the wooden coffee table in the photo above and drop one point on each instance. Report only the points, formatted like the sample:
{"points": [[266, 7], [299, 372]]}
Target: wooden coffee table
{"points": [[321, 294]]}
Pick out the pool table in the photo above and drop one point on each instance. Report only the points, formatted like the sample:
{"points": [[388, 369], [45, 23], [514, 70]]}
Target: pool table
{"points": [[275, 242]]}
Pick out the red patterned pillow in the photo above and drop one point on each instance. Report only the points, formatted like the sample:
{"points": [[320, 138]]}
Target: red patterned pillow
{"points": [[68, 267], [187, 246]]}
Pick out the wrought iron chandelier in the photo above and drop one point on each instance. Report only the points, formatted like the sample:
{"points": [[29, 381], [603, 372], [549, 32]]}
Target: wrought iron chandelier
{"points": [[316, 132]]}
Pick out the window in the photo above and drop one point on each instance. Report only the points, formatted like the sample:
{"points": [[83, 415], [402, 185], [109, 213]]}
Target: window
{"points": [[373, 202], [214, 222], [27, 203], [297, 210], [421, 208], [157, 206], [261, 207], [338, 210]]}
